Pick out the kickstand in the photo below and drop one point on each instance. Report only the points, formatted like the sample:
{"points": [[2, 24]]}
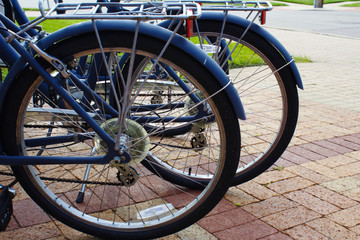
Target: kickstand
{"points": [[81, 194]]}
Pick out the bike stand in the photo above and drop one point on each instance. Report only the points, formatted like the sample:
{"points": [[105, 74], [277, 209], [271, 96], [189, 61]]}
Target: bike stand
{"points": [[81, 194]]}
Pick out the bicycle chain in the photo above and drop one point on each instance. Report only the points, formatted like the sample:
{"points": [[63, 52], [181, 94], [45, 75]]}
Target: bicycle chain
{"points": [[53, 126], [70, 180]]}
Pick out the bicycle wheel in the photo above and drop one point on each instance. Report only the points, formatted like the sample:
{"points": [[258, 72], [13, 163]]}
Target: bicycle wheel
{"points": [[265, 85], [120, 200]]}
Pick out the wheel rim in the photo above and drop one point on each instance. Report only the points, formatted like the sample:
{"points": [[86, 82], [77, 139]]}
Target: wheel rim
{"points": [[113, 215]]}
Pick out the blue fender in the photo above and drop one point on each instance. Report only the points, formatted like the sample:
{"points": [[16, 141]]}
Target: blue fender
{"points": [[146, 29], [261, 32]]}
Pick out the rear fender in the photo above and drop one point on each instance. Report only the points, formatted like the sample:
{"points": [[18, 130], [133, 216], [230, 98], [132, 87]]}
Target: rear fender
{"points": [[261, 32], [146, 29]]}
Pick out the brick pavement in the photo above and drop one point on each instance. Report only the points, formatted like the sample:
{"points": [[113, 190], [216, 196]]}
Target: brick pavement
{"points": [[315, 194]]}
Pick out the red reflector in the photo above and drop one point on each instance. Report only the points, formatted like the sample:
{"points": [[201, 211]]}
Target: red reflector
{"points": [[189, 28], [189, 25], [263, 17]]}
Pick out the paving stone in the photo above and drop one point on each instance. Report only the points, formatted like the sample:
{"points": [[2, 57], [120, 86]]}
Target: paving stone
{"points": [[90, 204], [311, 202], [349, 169], [248, 231], [289, 185], [353, 194], [170, 237], [296, 140], [332, 230], [225, 220], [356, 229], [194, 232], [20, 193], [355, 155], [308, 174], [57, 238], [269, 206], [239, 197], [28, 213], [331, 196], [357, 176], [336, 161], [273, 176], [316, 137], [13, 224], [336, 130], [335, 147], [349, 217], [323, 170], [345, 143], [352, 138], [290, 217], [257, 190], [223, 206], [305, 153], [36, 232], [282, 162], [342, 184], [326, 152], [70, 233], [277, 236], [303, 232], [292, 157]]}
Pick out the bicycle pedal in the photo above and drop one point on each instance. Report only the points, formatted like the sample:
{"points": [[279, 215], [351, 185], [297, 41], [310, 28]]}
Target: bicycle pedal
{"points": [[6, 208]]}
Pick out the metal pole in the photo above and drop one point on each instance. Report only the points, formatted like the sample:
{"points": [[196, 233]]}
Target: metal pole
{"points": [[318, 3]]}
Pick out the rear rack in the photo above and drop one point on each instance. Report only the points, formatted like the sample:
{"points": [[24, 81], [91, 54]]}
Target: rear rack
{"points": [[132, 10], [231, 5]]}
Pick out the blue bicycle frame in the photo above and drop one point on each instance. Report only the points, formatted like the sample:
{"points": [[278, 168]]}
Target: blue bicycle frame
{"points": [[17, 56]]}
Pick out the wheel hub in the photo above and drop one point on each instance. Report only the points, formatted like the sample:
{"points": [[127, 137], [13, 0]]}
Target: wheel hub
{"points": [[133, 138]]}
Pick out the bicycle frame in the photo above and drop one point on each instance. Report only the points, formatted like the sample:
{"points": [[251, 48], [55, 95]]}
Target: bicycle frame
{"points": [[21, 57]]}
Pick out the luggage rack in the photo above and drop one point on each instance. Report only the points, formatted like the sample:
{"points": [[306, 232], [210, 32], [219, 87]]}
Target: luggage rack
{"points": [[230, 5], [131, 10]]}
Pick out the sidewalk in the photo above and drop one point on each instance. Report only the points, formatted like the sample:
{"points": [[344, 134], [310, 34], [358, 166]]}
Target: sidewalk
{"points": [[317, 193]]}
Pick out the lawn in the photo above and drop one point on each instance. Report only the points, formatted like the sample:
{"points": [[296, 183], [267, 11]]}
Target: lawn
{"points": [[243, 56], [311, 2], [53, 25], [351, 5], [49, 26]]}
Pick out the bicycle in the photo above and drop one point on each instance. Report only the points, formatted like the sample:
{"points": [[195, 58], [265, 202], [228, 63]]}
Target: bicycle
{"points": [[51, 136], [264, 74]]}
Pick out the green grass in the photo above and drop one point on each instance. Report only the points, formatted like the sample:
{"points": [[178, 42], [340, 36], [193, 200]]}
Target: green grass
{"points": [[278, 4], [311, 2], [243, 56], [302, 59], [53, 25], [351, 5], [31, 9], [4, 72], [49, 26]]}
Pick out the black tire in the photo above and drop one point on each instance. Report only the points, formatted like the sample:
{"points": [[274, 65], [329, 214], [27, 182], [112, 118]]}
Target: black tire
{"points": [[7, 9], [55, 187], [267, 89]]}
